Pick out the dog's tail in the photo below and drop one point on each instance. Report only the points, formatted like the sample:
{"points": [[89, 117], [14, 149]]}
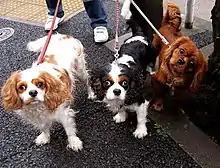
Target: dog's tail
{"points": [[37, 45], [172, 16]]}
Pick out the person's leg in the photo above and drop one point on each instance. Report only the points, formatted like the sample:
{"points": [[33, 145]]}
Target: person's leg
{"points": [[153, 9], [215, 56], [51, 5], [98, 17], [96, 12]]}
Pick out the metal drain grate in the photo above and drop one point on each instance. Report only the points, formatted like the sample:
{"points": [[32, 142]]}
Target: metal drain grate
{"points": [[5, 33]]}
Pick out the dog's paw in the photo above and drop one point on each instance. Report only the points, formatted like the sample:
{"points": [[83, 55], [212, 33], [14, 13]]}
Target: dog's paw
{"points": [[42, 139], [126, 13], [74, 143], [140, 132], [120, 117]]}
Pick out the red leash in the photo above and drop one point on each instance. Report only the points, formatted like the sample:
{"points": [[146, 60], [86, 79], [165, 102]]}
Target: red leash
{"points": [[116, 47], [42, 54]]}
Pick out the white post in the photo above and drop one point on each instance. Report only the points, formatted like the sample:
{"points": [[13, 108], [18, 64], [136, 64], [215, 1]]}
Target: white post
{"points": [[189, 11]]}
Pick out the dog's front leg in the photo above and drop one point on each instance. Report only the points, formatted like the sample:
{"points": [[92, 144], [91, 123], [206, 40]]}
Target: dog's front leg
{"points": [[121, 115], [44, 137], [141, 130], [68, 122]]}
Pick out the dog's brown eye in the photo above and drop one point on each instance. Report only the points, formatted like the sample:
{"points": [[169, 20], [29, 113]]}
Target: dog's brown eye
{"points": [[40, 84], [22, 87], [181, 51], [124, 83], [107, 83]]}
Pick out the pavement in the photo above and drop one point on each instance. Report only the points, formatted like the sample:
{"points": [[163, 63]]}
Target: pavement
{"points": [[202, 8], [34, 12], [106, 144]]}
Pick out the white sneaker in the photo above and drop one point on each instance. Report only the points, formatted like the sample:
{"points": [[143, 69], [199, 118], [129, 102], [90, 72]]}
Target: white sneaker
{"points": [[50, 20], [100, 34]]}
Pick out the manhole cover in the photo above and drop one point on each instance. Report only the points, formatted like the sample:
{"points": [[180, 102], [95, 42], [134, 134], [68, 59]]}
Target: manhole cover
{"points": [[5, 33]]}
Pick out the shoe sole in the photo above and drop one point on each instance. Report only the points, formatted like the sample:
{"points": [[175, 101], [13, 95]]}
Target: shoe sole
{"points": [[100, 42], [57, 25]]}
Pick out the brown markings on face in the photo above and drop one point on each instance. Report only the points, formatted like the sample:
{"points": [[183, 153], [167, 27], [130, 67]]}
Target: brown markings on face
{"points": [[21, 87], [108, 82], [124, 81], [39, 83]]}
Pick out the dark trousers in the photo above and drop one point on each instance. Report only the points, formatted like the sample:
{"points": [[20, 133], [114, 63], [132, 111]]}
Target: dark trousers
{"points": [[94, 9], [153, 9]]}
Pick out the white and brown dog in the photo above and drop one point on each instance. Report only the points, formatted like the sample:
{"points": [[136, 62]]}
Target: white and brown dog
{"points": [[43, 93]]}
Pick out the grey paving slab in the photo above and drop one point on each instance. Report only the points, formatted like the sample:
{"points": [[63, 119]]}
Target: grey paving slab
{"points": [[106, 144], [110, 45], [207, 50], [190, 138], [189, 32], [199, 36]]}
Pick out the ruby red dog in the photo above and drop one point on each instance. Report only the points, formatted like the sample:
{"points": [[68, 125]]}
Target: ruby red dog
{"points": [[181, 65]]}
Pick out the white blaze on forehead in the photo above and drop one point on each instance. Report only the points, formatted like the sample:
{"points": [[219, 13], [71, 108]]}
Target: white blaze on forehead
{"points": [[137, 38], [115, 72], [125, 59], [29, 74], [35, 71]]}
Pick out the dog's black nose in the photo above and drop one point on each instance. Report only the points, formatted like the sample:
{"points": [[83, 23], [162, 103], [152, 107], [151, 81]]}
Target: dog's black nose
{"points": [[181, 61], [33, 93], [117, 92]]}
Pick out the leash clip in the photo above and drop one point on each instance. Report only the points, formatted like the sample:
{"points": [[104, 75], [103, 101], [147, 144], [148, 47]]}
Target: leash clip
{"points": [[116, 55]]}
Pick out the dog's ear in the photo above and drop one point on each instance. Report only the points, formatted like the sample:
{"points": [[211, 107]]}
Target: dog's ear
{"points": [[10, 97], [201, 69], [95, 82], [57, 91], [136, 88], [169, 51]]}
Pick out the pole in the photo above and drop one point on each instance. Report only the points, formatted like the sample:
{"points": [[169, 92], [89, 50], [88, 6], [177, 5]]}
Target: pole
{"points": [[189, 11]]}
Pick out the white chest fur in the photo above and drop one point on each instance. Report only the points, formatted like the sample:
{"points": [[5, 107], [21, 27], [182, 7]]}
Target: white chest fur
{"points": [[37, 114]]}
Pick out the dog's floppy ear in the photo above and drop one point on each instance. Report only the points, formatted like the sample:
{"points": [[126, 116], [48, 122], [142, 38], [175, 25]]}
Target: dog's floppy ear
{"points": [[136, 86], [95, 82], [10, 97], [201, 69], [57, 91]]}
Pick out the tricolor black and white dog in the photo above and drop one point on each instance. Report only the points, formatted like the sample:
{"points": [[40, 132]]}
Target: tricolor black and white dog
{"points": [[121, 83]]}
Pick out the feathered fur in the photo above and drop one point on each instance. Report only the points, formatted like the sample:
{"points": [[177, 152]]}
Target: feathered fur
{"points": [[121, 84], [43, 93], [181, 65]]}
